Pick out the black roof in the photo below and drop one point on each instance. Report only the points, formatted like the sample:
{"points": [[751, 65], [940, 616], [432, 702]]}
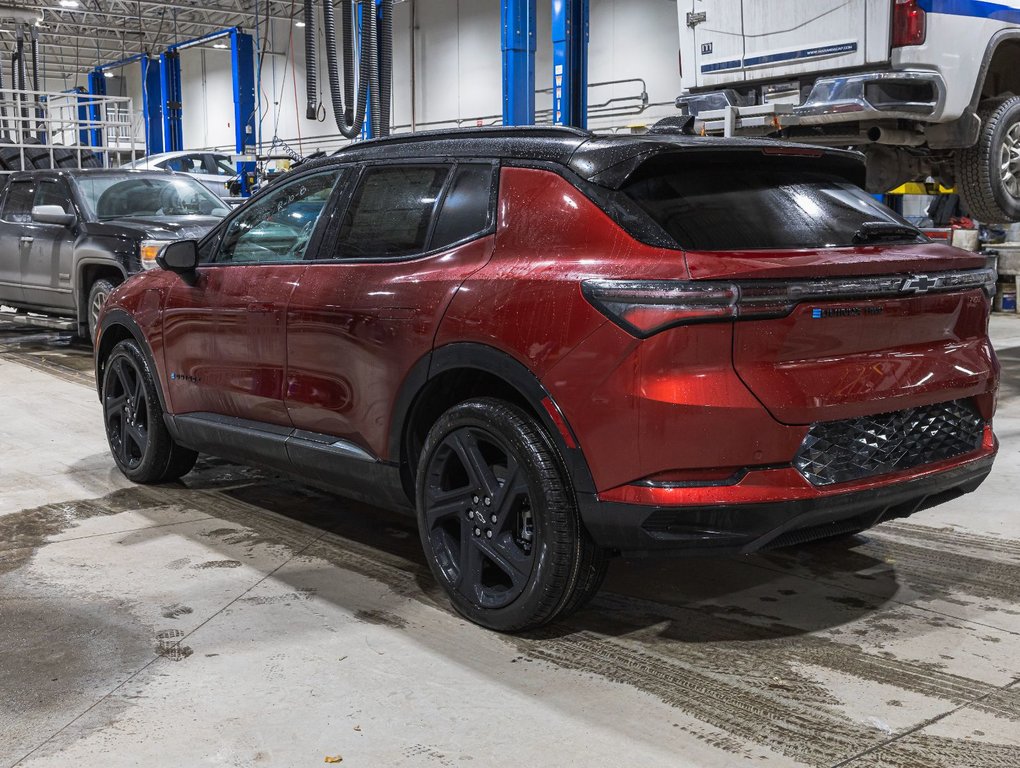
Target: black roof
{"points": [[605, 159]]}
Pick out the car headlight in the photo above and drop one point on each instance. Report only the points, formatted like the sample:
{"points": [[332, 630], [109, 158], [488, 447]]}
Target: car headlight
{"points": [[148, 250]]}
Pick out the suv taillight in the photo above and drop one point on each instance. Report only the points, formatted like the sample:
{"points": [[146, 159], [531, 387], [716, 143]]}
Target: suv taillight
{"points": [[645, 307], [908, 23]]}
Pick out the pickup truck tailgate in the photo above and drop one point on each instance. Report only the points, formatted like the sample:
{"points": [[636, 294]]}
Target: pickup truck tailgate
{"points": [[757, 40]]}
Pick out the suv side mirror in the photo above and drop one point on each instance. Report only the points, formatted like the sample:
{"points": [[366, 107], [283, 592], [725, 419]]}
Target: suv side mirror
{"points": [[180, 256], [52, 214]]}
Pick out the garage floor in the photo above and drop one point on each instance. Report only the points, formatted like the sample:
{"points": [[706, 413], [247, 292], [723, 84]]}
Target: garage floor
{"points": [[238, 619]]}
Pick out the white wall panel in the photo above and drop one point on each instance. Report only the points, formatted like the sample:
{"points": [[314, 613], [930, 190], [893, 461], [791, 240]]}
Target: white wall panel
{"points": [[457, 70]]}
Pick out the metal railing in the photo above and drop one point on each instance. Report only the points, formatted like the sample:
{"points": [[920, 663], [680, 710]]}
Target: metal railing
{"points": [[611, 113], [42, 129]]}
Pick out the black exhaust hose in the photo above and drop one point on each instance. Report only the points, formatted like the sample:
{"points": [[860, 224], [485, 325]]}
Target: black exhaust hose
{"points": [[35, 79], [370, 43], [311, 75], [385, 67], [3, 108], [35, 61], [349, 129], [347, 16], [21, 63], [23, 124], [14, 99]]}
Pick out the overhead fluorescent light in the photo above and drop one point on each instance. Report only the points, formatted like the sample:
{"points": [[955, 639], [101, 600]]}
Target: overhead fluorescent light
{"points": [[108, 74], [299, 23], [69, 3], [219, 45]]}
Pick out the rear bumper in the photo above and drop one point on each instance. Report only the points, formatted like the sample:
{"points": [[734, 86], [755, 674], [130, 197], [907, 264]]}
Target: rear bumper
{"points": [[908, 94], [763, 514], [864, 96]]}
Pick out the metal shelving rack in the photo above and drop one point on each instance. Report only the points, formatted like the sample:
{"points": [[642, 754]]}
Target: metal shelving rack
{"points": [[41, 129]]}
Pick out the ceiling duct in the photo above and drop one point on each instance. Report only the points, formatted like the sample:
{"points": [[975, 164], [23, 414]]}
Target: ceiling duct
{"points": [[20, 15]]}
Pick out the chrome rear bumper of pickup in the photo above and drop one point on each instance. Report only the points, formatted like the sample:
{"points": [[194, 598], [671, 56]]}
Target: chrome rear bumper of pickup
{"points": [[874, 96], [910, 94]]}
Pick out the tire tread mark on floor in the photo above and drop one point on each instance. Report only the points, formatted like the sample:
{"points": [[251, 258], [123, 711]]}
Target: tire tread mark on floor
{"points": [[964, 540], [974, 755]]}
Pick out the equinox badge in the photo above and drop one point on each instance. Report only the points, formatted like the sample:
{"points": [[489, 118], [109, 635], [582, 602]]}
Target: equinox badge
{"points": [[919, 284]]}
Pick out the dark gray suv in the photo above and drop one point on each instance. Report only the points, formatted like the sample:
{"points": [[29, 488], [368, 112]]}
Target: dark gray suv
{"points": [[68, 237]]}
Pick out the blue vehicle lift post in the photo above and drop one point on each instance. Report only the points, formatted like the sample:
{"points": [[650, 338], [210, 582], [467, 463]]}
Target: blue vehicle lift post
{"points": [[170, 100], [517, 18], [96, 87], [570, 62], [242, 67], [150, 96], [150, 106], [83, 113]]}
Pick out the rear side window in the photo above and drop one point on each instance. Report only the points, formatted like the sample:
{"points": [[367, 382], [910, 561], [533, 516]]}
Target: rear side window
{"points": [[186, 164], [466, 207], [18, 205], [391, 211], [732, 206]]}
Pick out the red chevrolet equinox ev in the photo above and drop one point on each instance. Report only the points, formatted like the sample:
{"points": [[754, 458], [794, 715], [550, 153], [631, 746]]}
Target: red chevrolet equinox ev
{"points": [[556, 346]]}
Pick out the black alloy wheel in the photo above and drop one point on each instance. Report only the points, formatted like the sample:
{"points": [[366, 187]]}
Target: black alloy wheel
{"points": [[126, 411], [479, 517], [140, 442], [498, 519]]}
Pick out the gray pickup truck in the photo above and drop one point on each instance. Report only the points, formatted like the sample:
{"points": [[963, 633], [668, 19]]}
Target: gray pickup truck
{"points": [[68, 237]]}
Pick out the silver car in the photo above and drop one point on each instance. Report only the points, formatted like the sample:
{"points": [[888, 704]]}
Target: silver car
{"points": [[213, 169]]}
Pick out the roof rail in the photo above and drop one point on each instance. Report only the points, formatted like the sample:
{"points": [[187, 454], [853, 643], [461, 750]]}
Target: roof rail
{"points": [[488, 132]]}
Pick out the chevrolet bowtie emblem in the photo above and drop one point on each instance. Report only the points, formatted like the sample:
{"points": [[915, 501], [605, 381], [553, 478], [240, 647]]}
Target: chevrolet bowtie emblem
{"points": [[919, 284]]}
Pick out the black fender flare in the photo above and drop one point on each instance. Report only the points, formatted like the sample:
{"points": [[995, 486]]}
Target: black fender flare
{"points": [[118, 317], [492, 361], [996, 40], [78, 289]]}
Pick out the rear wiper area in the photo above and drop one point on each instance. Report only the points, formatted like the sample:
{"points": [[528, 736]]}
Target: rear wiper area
{"points": [[870, 231]]}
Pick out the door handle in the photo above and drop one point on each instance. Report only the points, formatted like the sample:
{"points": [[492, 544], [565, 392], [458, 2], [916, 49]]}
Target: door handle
{"points": [[26, 239]]}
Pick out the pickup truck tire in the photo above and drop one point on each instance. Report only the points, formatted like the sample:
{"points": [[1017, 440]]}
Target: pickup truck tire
{"points": [[98, 294], [988, 174]]}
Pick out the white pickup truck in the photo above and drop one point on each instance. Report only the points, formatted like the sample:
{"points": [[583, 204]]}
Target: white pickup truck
{"points": [[923, 87]]}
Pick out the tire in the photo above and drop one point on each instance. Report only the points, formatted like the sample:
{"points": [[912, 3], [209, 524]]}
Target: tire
{"points": [[990, 194], [534, 562], [141, 446], [89, 160], [99, 292]]}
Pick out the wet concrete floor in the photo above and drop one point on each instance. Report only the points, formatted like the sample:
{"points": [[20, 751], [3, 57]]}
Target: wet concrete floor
{"points": [[237, 618]]}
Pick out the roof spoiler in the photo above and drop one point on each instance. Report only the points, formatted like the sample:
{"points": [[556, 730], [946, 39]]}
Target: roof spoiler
{"points": [[846, 164]]}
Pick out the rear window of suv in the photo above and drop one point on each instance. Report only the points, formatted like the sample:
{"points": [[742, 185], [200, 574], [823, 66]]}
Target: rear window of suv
{"points": [[759, 204]]}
